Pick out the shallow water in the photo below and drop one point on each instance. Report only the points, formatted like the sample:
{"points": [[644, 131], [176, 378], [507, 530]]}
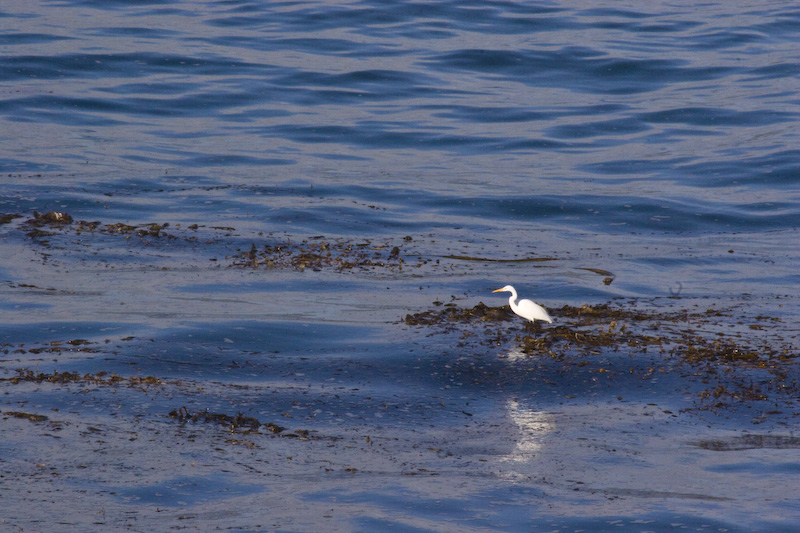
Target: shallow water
{"points": [[641, 156]]}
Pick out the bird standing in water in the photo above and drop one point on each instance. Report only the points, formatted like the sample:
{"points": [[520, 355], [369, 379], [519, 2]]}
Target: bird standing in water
{"points": [[526, 308]]}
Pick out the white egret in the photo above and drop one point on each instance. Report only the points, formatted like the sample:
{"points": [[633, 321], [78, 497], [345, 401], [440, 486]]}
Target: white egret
{"points": [[526, 308]]}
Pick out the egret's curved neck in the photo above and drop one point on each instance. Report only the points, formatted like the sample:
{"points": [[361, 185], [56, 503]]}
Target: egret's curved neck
{"points": [[512, 299]]}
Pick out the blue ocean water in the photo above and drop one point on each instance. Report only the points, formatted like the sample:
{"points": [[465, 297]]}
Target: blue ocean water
{"points": [[655, 143]]}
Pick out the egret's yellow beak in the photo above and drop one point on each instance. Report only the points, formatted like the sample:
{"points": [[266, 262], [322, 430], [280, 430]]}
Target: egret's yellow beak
{"points": [[498, 290]]}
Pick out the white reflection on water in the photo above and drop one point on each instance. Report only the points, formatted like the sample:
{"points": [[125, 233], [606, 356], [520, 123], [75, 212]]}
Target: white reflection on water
{"points": [[533, 427], [516, 354]]}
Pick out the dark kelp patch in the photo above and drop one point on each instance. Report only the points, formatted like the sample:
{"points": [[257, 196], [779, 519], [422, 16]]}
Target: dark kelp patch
{"points": [[318, 254], [237, 423], [53, 347], [55, 222], [451, 314], [99, 378], [51, 220], [751, 441], [27, 416], [5, 218]]}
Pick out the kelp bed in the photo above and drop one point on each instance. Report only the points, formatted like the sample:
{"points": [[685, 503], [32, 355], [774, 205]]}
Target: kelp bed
{"points": [[737, 367], [238, 423], [740, 359]]}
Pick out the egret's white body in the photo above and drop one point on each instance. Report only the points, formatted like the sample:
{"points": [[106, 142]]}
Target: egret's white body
{"points": [[526, 308]]}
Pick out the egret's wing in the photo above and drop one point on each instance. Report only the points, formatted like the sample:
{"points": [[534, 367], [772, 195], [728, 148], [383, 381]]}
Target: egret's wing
{"points": [[533, 311]]}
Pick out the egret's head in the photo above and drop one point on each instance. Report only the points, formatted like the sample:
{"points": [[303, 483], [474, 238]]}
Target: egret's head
{"points": [[507, 288]]}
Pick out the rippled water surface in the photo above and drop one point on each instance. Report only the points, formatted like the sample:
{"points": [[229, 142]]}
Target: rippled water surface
{"points": [[230, 208]]}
